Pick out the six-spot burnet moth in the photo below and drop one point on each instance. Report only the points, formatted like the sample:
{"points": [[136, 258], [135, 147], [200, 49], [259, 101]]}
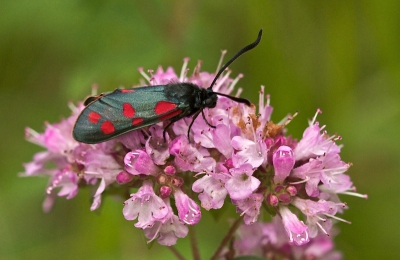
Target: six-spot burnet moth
{"points": [[111, 114]]}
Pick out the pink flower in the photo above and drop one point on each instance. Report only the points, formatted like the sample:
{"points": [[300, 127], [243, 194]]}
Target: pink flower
{"points": [[156, 146], [261, 239], [212, 189], [315, 212], [314, 143], [319, 248], [139, 162], [99, 165], [162, 77], [332, 175], [146, 206], [311, 174], [67, 181], [242, 183], [168, 230], [295, 229], [283, 160], [250, 207], [167, 233], [132, 140], [188, 157], [251, 152], [221, 138], [188, 211], [251, 239]]}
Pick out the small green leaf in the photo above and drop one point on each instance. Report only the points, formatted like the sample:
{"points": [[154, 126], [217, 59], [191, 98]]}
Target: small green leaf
{"points": [[269, 209]]}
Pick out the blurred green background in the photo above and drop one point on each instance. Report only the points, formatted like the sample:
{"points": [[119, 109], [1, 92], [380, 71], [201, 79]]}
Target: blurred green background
{"points": [[340, 56]]}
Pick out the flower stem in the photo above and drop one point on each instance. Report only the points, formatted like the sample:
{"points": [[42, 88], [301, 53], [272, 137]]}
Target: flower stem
{"points": [[227, 238], [176, 253], [193, 243]]}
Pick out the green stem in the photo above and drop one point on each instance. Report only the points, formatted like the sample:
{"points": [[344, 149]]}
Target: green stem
{"points": [[176, 253], [193, 243], [227, 238]]}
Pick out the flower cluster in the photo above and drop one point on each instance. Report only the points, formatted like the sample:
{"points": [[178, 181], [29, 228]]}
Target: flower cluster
{"points": [[269, 240], [246, 160]]}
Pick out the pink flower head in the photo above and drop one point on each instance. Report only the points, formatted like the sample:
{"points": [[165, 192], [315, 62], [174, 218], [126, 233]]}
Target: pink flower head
{"points": [[232, 149]]}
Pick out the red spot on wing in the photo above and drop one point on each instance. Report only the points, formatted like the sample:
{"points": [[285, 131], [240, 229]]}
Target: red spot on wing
{"points": [[137, 121], [107, 127], [128, 110], [171, 115], [127, 90], [94, 117], [163, 107]]}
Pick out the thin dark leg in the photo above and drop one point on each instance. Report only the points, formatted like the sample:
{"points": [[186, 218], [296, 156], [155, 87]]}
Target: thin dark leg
{"points": [[204, 117], [165, 129], [191, 123]]}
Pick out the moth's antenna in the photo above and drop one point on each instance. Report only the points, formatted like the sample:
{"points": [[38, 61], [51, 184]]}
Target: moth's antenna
{"points": [[237, 99], [245, 49]]}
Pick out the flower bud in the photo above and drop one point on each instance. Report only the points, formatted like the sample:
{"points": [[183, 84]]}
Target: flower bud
{"points": [[170, 170], [124, 177], [291, 190], [165, 191], [283, 161], [272, 200]]}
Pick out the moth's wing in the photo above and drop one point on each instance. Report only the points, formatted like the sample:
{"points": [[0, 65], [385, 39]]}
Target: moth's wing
{"points": [[122, 111]]}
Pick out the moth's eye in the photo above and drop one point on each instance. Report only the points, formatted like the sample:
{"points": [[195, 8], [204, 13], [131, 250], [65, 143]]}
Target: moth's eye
{"points": [[211, 101]]}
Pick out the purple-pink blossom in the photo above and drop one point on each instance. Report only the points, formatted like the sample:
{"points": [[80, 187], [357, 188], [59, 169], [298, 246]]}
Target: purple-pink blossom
{"points": [[188, 210], [283, 160], [146, 206], [266, 239], [247, 160], [241, 183]]}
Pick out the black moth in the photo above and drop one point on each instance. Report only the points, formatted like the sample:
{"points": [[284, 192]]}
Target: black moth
{"points": [[111, 114]]}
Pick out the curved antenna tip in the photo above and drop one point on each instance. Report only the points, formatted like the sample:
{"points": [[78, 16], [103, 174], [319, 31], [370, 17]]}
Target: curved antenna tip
{"points": [[243, 50]]}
